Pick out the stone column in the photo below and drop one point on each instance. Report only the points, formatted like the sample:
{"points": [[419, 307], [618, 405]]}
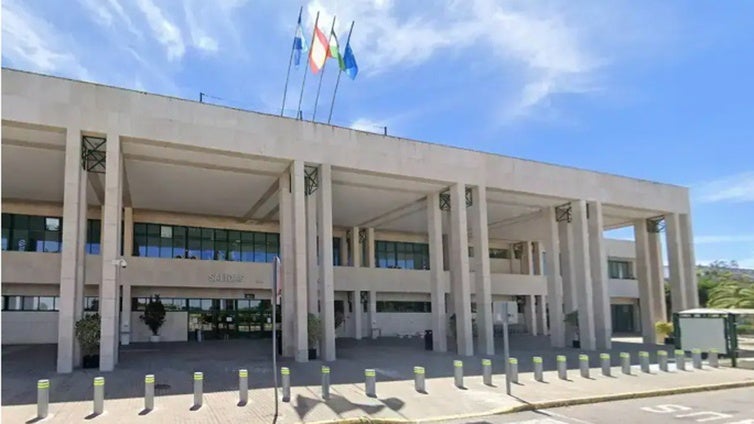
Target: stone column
{"points": [[483, 292], [565, 235], [674, 242], [371, 255], [537, 258], [311, 255], [344, 250], [527, 261], [358, 311], [128, 231], [125, 314], [110, 252], [72, 254], [530, 315], [436, 272], [603, 325], [647, 297], [373, 314], [554, 280], [326, 284], [355, 248], [583, 277], [542, 315], [288, 259], [689, 260], [657, 276], [459, 256], [301, 305]]}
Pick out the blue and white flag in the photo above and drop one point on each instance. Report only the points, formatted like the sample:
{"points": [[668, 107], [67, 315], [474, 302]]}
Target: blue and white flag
{"points": [[349, 62], [299, 43]]}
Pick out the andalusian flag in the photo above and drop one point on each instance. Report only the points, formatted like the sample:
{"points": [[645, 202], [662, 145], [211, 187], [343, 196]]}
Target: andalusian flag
{"points": [[335, 50], [319, 51]]}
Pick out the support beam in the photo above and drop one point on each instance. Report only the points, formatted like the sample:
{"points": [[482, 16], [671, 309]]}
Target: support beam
{"points": [[436, 267], [371, 245], [71, 274], [554, 280], [355, 248], [249, 215], [583, 277], [483, 292], [460, 284], [657, 277], [689, 261], [326, 284], [300, 324], [676, 265], [312, 255], [603, 326]]}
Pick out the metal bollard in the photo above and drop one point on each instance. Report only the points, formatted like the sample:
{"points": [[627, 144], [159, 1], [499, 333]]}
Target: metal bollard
{"points": [[625, 363], [644, 361], [538, 368], [662, 360], [696, 357], [562, 367], [198, 389], [149, 392], [243, 387], [99, 395], [419, 380], [285, 373], [513, 364], [680, 360], [584, 365], [713, 362], [370, 382], [458, 372], [43, 398], [487, 371], [605, 362], [325, 382]]}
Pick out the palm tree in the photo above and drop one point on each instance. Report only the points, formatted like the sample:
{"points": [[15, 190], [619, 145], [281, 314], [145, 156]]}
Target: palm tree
{"points": [[732, 294]]}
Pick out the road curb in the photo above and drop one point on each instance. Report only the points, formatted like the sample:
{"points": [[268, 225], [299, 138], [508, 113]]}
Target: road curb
{"points": [[534, 406]]}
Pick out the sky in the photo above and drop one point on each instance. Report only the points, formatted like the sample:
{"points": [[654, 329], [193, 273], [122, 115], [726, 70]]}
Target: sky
{"points": [[654, 90]]}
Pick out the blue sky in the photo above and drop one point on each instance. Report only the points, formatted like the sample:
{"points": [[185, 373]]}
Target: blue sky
{"points": [[654, 90]]}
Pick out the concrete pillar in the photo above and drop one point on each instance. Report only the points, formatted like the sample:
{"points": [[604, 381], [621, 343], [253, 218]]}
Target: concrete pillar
{"points": [[358, 311], [657, 276], [530, 316], [647, 297], [603, 325], [554, 279], [371, 255], [689, 260], [287, 258], [72, 255], [326, 285], [460, 284], [311, 255], [128, 231], [674, 244], [483, 292], [78, 311], [372, 314], [436, 267], [344, 250], [301, 306], [565, 235], [110, 252], [355, 248], [125, 314], [583, 277], [541, 311], [537, 258], [527, 261]]}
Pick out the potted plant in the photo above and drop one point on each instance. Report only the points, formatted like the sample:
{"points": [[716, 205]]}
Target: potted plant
{"points": [[665, 329], [572, 319], [314, 332], [87, 334], [154, 317]]}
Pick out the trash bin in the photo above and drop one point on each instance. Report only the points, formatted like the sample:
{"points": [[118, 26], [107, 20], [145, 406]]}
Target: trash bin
{"points": [[428, 339]]}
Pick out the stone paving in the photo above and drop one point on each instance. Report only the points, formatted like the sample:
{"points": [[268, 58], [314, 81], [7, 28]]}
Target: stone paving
{"points": [[393, 359]]}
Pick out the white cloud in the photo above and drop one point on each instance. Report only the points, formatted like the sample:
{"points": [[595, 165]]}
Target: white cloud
{"points": [[103, 14], [33, 43], [738, 238], [734, 188], [368, 125], [166, 32]]}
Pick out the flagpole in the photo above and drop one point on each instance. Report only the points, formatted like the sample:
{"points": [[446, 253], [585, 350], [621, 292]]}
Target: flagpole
{"points": [[322, 75], [337, 82], [301, 96], [290, 61]]}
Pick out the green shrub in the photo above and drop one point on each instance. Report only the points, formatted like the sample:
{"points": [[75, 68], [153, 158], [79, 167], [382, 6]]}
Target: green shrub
{"points": [[314, 330], [664, 328], [154, 314], [88, 333]]}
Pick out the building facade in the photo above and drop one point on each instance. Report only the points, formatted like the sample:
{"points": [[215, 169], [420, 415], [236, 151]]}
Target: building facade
{"points": [[134, 195]]}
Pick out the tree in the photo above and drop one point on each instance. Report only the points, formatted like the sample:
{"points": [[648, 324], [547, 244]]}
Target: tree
{"points": [[732, 294], [154, 314]]}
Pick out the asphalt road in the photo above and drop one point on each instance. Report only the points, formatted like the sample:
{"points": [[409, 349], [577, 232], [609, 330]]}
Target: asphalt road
{"points": [[734, 406]]}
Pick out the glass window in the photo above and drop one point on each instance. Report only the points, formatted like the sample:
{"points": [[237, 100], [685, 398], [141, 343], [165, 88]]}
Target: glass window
{"points": [[93, 235], [30, 303], [195, 304], [13, 303], [404, 306], [91, 303], [166, 241], [247, 246], [497, 253], [52, 224], [234, 245], [46, 303], [194, 243], [179, 242], [221, 245], [619, 269], [260, 247], [208, 244], [6, 230], [273, 247], [336, 251], [153, 241]]}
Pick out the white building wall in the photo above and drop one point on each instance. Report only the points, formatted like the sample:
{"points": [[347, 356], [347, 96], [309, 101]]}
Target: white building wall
{"points": [[175, 328], [32, 327]]}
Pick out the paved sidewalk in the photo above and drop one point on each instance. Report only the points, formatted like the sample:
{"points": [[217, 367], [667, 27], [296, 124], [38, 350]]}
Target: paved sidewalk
{"points": [[396, 400]]}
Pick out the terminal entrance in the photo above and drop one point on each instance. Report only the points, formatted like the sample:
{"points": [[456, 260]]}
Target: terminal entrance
{"points": [[225, 319]]}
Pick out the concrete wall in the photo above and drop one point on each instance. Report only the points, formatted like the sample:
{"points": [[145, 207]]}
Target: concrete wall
{"points": [[623, 249], [17, 326], [403, 323], [175, 328], [623, 288]]}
